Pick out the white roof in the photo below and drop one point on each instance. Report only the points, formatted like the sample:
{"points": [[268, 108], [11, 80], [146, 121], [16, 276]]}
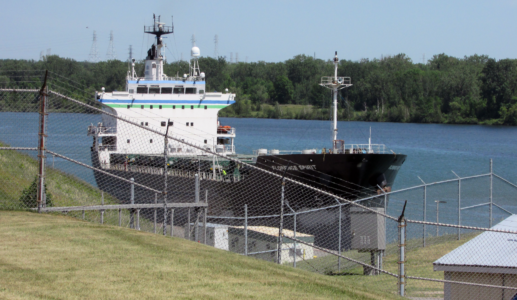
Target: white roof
{"points": [[489, 252]]}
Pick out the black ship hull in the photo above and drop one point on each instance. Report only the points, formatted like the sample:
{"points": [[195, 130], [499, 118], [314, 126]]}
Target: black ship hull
{"points": [[346, 175]]}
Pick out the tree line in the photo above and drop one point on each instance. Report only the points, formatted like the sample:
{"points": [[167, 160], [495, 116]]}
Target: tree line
{"points": [[470, 90]]}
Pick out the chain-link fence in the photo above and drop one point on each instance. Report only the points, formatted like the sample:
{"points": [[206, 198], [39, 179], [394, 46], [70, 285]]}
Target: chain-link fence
{"points": [[61, 150]]}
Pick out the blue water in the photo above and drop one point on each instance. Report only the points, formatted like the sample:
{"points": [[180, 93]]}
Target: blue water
{"points": [[432, 150]]}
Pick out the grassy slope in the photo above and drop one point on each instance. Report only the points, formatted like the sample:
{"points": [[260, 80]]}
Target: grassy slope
{"points": [[17, 171], [57, 257]]}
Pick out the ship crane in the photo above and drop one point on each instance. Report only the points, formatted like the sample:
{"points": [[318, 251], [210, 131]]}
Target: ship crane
{"points": [[335, 83]]}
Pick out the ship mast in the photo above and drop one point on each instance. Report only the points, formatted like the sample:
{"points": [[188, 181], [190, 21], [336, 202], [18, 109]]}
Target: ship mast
{"points": [[154, 60], [335, 83]]}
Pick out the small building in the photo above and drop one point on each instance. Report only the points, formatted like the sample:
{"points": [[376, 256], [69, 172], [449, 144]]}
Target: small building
{"points": [[263, 241], [490, 258], [216, 234]]}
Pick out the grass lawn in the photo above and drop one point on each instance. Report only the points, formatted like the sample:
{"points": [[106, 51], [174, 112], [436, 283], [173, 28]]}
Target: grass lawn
{"points": [[45, 256]]}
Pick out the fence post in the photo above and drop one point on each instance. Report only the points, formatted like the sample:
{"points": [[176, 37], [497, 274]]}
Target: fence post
{"points": [[246, 229], [165, 145], [120, 217], [155, 211], [41, 147], [172, 221], [402, 252], [491, 187], [196, 230], [424, 211], [102, 211], [138, 219], [205, 216], [294, 244], [280, 229], [131, 211], [188, 224]]}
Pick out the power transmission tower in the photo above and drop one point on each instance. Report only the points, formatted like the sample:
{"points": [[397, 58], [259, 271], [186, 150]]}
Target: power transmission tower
{"points": [[111, 55], [94, 54], [130, 52], [423, 59], [48, 52], [231, 57], [193, 40], [41, 55], [236, 57], [216, 45]]}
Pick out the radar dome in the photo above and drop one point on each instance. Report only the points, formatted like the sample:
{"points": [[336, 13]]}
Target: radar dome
{"points": [[195, 52]]}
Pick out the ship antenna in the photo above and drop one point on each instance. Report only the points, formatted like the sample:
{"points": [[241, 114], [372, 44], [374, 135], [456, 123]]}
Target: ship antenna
{"points": [[335, 83]]}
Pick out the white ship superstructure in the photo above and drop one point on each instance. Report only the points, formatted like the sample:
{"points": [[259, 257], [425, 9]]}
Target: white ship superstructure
{"points": [[182, 104]]}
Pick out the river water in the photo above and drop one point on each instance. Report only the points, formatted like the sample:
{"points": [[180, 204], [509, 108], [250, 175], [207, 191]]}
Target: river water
{"points": [[433, 150]]}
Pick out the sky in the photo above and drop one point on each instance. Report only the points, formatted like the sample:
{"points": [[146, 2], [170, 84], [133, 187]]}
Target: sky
{"points": [[266, 30]]}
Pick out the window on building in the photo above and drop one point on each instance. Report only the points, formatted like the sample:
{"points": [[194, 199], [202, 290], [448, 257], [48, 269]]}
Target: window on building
{"points": [[167, 90], [206, 141], [146, 124], [190, 90], [191, 123], [128, 141], [141, 90], [187, 123], [151, 141]]}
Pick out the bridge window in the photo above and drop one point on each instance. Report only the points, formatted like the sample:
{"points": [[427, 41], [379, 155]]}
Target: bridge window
{"points": [[163, 124], [190, 91], [179, 90], [201, 91], [171, 123], [154, 90], [141, 90], [167, 90]]}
